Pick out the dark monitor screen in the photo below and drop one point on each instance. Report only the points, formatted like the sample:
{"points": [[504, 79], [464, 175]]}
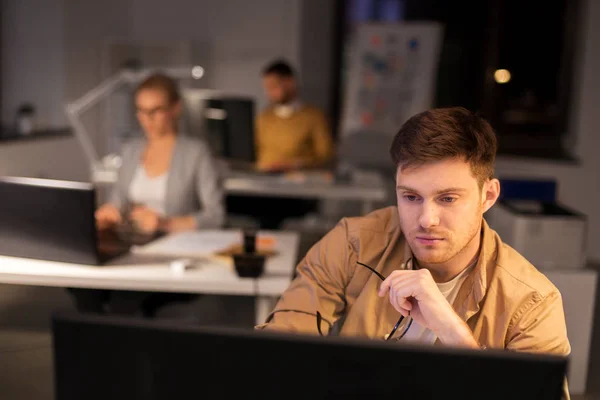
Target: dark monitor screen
{"points": [[47, 219], [224, 121], [106, 358], [232, 128]]}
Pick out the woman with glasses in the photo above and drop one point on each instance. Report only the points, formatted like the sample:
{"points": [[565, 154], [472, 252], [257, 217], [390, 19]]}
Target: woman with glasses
{"points": [[168, 182]]}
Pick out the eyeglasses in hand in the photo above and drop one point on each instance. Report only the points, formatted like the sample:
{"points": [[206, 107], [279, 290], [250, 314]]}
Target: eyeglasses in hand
{"points": [[320, 318]]}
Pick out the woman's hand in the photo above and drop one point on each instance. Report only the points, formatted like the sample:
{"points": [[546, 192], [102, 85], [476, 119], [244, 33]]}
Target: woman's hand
{"points": [[107, 216], [145, 219]]}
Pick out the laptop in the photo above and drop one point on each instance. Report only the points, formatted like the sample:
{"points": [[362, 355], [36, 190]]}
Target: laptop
{"points": [[117, 358], [54, 220]]}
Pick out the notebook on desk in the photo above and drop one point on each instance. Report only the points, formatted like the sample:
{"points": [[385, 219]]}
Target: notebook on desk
{"points": [[54, 220]]}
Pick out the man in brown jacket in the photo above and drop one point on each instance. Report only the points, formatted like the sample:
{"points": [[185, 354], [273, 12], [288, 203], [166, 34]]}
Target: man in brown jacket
{"points": [[429, 270]]}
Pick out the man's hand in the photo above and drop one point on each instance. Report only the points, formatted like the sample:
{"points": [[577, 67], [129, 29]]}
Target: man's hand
{"points": [[147, 220], [415, 293]]}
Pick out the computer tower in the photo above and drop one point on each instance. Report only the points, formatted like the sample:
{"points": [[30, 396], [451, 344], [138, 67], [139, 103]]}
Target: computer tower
{"points": [[230, 122]]}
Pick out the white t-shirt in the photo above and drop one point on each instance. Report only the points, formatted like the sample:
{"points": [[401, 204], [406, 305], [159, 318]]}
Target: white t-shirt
{"points": [[450, 290], [149, 191], [287, 110]]}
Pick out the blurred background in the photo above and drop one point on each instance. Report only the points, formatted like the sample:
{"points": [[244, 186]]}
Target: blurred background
{"points": [[531, 69]]}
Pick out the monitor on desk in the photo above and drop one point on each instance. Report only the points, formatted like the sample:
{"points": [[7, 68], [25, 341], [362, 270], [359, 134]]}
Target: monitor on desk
{"points": [[100, 358], [236, 128], [53, 220], [47, 219], [226, 122]]}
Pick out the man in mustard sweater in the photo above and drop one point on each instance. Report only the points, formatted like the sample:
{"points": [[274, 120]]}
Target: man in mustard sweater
{"points": [[289, 134]]}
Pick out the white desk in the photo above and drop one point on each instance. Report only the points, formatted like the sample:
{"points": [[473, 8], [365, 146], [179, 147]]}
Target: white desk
{"points": [[364, 186], [152, 273], [367, 187]]}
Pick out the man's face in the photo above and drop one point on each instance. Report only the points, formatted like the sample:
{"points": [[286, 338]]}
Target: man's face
{"points": [[279, 89], [441, 207]]}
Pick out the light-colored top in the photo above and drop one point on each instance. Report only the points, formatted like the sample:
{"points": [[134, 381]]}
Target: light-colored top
{"points": [[450, 290], [506, 302], [193, 187], [303, 136], [149, 191], [287, 110]]}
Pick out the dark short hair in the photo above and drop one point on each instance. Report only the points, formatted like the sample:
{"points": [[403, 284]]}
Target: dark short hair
{"points": [[279, 67], [162, 82], [443, 133]]}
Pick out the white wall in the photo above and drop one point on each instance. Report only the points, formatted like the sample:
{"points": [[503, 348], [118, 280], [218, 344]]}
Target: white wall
{"points": [[53, 158], [88, 26], [33, 69], [242, 36], [52, 53], [33, 59]]}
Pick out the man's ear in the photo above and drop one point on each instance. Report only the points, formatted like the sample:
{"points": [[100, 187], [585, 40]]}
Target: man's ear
{"points": [[490, 193]]}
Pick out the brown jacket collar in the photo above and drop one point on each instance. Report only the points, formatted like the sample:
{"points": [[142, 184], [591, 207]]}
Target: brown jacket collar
{"points": [[505, 301]]}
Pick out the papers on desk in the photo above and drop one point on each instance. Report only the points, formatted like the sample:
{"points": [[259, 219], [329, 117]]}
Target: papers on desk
{"points": [[200, 244], [191, 244]]}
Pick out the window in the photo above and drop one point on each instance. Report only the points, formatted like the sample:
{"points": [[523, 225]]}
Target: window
{"points": [[509, 60]]}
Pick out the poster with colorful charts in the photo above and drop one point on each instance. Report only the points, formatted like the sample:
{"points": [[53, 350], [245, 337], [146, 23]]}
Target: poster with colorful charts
{"points": [[391, 75]]}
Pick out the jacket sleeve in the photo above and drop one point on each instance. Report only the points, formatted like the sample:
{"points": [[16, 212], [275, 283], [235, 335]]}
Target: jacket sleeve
{"points": [[209, 189], [540, 327], [320, 283]]}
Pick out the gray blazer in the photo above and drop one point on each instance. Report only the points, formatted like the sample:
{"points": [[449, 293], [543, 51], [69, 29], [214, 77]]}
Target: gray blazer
{"points": [[194, 185]]}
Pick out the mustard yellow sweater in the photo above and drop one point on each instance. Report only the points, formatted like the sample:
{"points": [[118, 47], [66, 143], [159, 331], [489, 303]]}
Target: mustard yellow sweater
{"points": [[302, 138]]}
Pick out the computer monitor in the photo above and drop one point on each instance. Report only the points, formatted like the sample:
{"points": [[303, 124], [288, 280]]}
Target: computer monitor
{"points": [[47, 219], [234, 125], [224, 121], [52, 220], [107, 358]]}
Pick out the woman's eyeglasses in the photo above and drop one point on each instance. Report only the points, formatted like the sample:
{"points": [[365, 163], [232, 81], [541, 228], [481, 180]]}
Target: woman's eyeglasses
{"points": [[320, 318]]}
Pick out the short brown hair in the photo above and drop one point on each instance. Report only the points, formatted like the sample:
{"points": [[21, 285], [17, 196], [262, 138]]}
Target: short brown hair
{"points": [[279, 67], [163, 83], [443, 133]]}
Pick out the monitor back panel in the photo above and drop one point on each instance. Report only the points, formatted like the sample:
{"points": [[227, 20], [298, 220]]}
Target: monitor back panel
{"points": [[48, 220], [99, 359]]}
